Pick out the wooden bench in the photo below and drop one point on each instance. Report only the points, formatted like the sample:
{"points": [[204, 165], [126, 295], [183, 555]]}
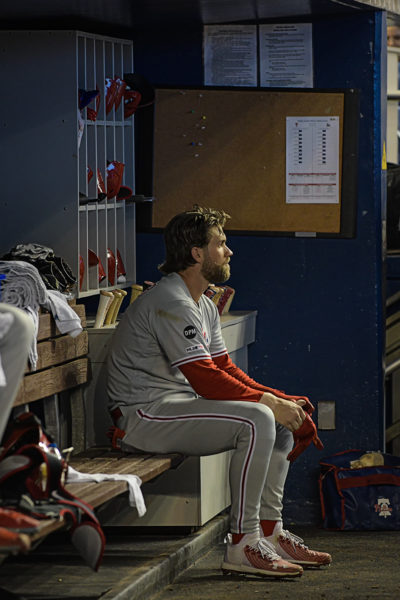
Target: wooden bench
{"points": [[54, 390], [105, 460]]}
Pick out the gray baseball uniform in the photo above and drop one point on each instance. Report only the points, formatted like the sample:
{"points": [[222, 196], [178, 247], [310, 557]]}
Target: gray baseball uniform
{"points": [[161, 331]]}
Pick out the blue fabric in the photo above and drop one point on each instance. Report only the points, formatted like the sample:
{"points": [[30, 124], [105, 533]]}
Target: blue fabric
{"points": [[367, 498]]}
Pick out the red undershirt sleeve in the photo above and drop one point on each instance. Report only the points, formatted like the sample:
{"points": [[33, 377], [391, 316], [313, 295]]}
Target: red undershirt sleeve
{"points": [[225, 363], [209, 381]]}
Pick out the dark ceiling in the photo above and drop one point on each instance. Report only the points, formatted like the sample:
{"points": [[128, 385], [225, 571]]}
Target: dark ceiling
{"points": [[142, 14]]}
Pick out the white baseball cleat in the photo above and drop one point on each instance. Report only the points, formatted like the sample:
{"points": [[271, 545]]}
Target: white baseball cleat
{"points": [[256, 556]]}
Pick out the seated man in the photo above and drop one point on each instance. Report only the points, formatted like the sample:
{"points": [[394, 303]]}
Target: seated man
{"points": [[172, 387]]}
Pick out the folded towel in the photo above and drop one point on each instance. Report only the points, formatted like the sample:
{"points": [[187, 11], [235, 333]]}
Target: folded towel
{"points": [[24, 288], [23, 285], [134, 482]]}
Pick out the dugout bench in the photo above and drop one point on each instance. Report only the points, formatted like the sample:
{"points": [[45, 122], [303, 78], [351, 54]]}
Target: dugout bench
{"points": [[55, 393]]}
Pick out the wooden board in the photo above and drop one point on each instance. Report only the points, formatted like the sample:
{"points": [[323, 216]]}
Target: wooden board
{"points": [[52, 381], [226, 149], [57, 369], [61, 349]]}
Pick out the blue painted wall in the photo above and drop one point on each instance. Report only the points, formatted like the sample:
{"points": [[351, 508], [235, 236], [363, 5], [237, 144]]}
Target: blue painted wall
{"points": [[319, 301]]}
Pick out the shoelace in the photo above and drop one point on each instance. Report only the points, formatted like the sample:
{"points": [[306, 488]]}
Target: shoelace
{"points": [[294, 539], [263, 546], [266, 549]]}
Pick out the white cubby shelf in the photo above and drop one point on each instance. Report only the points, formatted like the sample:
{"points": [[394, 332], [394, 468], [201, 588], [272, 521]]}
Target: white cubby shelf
{"points": [[47, 198]]}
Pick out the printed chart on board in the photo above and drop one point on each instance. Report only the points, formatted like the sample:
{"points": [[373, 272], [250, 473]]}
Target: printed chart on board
{"points": [[312, 160]]}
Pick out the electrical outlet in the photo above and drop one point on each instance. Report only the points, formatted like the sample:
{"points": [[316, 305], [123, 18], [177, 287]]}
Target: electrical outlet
{"points": [[327, 414]]}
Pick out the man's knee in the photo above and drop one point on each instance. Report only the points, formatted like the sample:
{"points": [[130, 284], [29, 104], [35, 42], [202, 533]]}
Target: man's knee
{"points": [[262, 417]]}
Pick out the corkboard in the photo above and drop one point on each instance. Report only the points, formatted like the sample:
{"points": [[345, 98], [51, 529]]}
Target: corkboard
{"points": [[226, 149]]}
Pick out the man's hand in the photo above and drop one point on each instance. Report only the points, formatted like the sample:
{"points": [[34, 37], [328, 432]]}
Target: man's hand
{"points": [[286, 412]]}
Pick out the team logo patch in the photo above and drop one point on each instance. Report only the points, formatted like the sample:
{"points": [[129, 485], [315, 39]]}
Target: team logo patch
{"points": [[383, 508], [189, 332], [193, 348]]}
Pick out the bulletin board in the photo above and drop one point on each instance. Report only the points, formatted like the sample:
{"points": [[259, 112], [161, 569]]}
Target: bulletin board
{"points": [[226, 148]]}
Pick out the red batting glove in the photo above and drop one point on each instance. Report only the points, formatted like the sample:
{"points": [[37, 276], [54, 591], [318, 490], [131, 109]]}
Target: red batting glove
{"points": [[115, 435], [303, 437]]}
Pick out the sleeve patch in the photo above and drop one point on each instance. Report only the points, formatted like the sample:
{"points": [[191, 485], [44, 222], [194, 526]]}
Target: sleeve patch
{"points": [[189, 332], [193, 348]]}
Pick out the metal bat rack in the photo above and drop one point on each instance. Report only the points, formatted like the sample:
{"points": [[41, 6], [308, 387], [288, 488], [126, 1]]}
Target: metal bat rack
{"points": [[105, 224]]}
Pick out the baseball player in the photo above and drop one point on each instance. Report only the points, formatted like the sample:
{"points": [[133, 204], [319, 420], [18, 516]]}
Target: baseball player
{"points": [[172, 387]]}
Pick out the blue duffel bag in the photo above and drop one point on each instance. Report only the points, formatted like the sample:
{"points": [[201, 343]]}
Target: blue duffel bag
{"points": [[364, 498]]}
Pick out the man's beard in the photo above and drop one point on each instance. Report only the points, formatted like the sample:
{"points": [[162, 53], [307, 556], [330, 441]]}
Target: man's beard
{"points": [[214, 273]]}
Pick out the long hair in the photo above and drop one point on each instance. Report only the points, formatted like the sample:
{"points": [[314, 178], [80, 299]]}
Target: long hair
{"points": [[187, 230]]}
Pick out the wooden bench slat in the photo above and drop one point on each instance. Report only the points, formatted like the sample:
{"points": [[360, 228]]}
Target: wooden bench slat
{"points": [[99, 493], [96, 494], [141, 466], [98, 465], [39, 385], [157, 467], [144, 466], [60, 350]]}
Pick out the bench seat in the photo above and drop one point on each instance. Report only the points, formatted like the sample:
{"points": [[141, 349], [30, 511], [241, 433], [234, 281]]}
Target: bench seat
{"points": [[104, 460]]}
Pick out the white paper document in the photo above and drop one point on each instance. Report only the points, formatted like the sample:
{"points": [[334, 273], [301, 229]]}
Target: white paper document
{"points": [[312, 160], [230, 55], [286, 55]]}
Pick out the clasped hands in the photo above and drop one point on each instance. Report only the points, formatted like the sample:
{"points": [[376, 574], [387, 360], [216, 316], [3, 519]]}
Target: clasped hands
{"points": [[288, 413]]}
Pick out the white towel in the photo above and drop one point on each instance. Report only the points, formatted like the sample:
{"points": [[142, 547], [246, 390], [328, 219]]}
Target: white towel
{"points": [[33, 353], [134, 482], [66, 319]]}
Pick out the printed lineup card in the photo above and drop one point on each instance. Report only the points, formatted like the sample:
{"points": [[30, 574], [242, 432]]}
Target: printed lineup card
{"points": [[230, 55], [286, 55], [312, 160]]}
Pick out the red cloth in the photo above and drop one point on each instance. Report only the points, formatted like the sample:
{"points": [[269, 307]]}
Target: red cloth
{"points": [[210, 381], [303, 437]]}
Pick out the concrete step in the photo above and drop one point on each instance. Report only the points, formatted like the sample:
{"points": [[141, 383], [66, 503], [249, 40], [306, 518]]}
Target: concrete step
{"points": [[136, 565]]}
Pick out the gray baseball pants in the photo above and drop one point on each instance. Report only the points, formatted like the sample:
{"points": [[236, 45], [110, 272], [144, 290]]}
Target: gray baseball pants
{"points": [[199, 427]]}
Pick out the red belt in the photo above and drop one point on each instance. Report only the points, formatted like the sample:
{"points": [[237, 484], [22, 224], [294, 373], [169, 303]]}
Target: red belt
{"points": [[116, 414]]}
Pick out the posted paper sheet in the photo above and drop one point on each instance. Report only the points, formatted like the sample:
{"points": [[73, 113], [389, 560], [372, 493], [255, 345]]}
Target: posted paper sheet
{"points": [[286, 55], [312, 160], [230, 55]]}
